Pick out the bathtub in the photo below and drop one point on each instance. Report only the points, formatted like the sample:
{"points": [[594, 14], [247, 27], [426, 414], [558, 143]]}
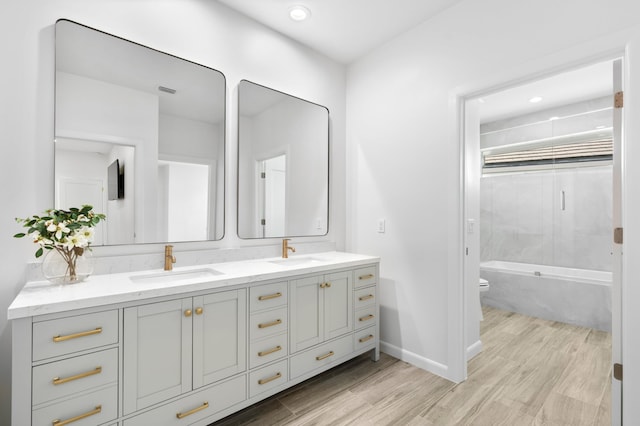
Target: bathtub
{"points": [[574, 296]]}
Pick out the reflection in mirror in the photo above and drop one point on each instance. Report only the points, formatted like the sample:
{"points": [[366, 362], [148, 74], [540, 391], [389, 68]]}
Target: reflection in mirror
{"points": [[283, 164], [139, 134]]}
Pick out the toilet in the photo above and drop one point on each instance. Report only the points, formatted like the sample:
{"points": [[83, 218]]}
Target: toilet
{"points": [[484, 286]]}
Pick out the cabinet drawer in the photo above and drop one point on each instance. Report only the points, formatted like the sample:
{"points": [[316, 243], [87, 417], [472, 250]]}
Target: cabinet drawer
{"points": [[195, 407], [365, 276], [73, 375], [365, 297], [71, 334], [268, 378], [365, 338], [267, 350], [321, 356], [87, 409], [365, 317], [268, 323], [267, 296]]}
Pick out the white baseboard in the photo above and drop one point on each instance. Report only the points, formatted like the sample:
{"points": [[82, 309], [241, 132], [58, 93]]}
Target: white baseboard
{"points": [[474, 350], [414, 359]]}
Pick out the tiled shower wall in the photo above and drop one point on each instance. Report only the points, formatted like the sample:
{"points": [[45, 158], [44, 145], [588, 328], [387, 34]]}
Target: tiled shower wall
{"points": [[522, 220]]}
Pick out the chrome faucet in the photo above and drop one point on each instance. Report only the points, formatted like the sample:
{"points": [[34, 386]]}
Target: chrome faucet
{"points": [[169, 258], [286, 248]]}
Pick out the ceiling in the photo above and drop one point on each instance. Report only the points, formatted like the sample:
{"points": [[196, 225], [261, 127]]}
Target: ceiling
{"points": [[343, 30]]}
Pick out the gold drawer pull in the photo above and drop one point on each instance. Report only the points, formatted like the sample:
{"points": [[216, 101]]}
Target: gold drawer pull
{"points": [[366, 339], [367, 297], [269, 379], [96, 410], [325, 356], [367, 318], [199, 311], [270, 296], [325, 285], [76, 335], [59, 381], [366, 277], [188, 313], [270, 351], [195, 410], [270, 324]]}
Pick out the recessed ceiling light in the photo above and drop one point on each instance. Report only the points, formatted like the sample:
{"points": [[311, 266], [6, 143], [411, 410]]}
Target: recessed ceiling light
{"points": [[535, 99], [600, 127], [481, 100], [555, 117], [299, 13]]}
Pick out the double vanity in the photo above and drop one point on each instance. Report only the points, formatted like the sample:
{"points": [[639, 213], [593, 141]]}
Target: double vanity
{"points": [[188, 346]]}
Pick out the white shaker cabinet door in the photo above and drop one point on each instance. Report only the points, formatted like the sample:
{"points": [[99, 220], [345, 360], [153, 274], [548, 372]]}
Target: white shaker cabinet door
{"points": [[338, 304], [219, 336], [157, 352], [307, 312]]}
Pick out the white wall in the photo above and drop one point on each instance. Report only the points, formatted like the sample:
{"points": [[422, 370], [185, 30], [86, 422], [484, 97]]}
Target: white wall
{"points": [[404, 149], [199, 30]]}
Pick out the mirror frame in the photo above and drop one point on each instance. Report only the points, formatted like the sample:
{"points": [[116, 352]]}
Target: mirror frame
{"points": [[328, 180], [222, 186]]}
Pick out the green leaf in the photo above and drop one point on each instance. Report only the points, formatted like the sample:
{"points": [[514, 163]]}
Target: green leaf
{"points": [[39, 252], [20, 235]]}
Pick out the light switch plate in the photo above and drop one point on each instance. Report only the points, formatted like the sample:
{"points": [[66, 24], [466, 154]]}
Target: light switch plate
{"points": [[381, 226]]}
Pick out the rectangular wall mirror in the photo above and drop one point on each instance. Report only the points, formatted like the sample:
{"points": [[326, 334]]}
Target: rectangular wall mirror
{"points": [[283, 164], [139, 134]]}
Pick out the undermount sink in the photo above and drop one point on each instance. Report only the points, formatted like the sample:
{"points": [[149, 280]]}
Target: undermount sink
{"points": [[175, 276], [296, 261]]}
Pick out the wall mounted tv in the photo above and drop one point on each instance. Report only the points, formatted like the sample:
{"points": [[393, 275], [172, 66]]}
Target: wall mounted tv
{"points": [[115, 181]]}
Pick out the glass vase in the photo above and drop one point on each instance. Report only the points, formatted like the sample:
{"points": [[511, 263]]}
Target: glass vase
{"points": [[67, 266]]}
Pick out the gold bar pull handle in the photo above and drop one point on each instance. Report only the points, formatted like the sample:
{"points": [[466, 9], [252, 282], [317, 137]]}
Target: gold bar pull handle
{"points": [[366, 339], [269, 379], [59, 381], [204, 406], [367, 297], [270, 296], [325, 356], [366, 277], [76, 335], [270, 324], [95, 411], [270, 351], [367, 318]]}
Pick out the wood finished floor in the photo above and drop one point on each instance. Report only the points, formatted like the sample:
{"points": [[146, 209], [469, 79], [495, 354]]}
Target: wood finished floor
{"points": [[530, 372]]}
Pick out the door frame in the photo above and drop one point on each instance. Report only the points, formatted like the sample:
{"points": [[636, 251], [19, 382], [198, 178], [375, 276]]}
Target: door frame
{"points": [[467, 153]]}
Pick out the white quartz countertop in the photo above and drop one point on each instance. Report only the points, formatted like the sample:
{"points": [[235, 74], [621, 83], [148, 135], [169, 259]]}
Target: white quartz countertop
{"points": [[42, 297]]}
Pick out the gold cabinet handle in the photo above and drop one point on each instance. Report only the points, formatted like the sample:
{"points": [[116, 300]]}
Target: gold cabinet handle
{"points": [[195, 410], [270, 324], [187, 313], [325, 285], [199, 311], [76, 335], [270, 351], [325, 356], [366, 339], [59, 381], [270, 296], [367, 318], [96, 410], [367, 297], [269, 379], [366, 277]]}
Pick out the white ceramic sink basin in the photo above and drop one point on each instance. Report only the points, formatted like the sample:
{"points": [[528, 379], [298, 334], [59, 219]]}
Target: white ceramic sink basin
{"points": [[175, 276], [296, 261]]}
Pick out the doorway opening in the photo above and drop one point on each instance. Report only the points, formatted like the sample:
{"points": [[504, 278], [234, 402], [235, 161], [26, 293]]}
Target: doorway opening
{"points": [[542, 196]]}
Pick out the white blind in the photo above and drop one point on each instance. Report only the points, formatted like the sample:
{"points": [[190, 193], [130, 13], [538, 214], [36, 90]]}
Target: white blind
{"points": [[598, 150]]}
